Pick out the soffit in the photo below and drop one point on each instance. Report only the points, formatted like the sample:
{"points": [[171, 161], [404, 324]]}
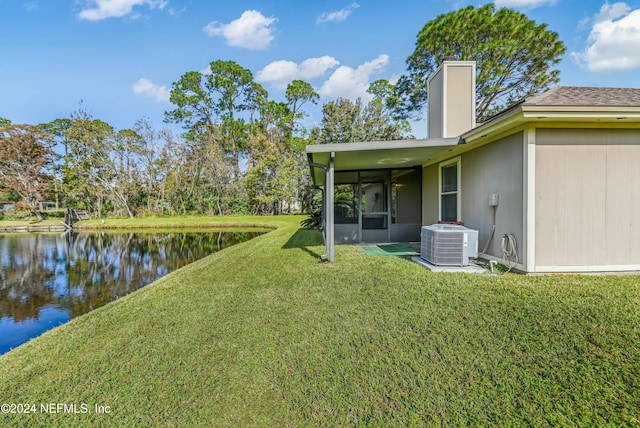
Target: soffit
{"points": [[375, 155]]}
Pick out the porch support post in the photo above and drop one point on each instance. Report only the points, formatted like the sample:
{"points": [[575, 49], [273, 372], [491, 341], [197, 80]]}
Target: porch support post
{"points": [[329, 192]]}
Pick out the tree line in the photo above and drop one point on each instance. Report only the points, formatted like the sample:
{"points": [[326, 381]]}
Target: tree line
{"points": [[241, 151]]}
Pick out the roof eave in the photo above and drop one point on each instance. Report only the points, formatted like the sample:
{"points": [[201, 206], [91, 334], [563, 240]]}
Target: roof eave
{"points": [[380, 145], [398, 154], [528, 113]]}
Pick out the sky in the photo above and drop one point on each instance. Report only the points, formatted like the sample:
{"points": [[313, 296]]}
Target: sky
{"points": [[118, 58]]}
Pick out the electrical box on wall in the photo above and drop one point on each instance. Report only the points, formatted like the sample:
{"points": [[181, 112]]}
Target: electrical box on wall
{"points": [[494, 200]]}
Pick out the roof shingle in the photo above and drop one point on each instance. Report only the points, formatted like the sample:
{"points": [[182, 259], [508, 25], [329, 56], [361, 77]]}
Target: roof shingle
{"points": [[587, 96]]}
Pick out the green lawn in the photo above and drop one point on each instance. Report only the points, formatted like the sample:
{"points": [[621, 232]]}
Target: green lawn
{"points": [[264, 334]]}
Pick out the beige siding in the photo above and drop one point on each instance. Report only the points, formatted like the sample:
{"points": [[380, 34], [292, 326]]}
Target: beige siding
{"points": [[460, 103], [494, 168], [451, 109], [587, 197], [430, 195], [434, 112]]}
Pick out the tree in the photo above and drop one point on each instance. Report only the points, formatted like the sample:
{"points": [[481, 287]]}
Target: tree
{"points": [[162, 162], [264, 181], [57, 128], [153, 170], [237, 92], [277, 169], [346, 121], [213, 102], [298, 93], [125, 182], [88, 170], [515, 57], [387, 94], [23, 158]]}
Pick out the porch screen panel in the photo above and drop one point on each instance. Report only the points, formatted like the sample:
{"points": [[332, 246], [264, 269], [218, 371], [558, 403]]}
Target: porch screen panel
{"points": [[374, 205], [406, 197], [345, 204]]}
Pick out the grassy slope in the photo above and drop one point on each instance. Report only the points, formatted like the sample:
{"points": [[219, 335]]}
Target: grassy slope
{"points": [[264, 334]]}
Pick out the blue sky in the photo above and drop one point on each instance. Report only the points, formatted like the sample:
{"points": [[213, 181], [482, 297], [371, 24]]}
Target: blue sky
{"points": [[120, 57]]}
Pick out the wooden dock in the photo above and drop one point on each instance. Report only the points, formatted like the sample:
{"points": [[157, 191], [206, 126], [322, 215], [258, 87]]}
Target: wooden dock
{"points": [[72, 216]]}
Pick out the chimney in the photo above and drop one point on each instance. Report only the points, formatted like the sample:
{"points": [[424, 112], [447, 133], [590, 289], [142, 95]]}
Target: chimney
{"points": [[451, 109]]}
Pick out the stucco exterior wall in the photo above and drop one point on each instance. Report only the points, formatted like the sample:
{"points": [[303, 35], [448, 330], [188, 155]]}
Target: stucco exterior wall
{"points": [[587, 205]]}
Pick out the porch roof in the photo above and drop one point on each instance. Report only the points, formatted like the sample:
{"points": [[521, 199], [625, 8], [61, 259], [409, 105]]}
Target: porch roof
{"points": [[375, 155]]}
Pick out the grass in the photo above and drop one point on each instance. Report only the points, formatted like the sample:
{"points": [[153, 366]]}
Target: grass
{"points": [[264, 334], [157, 222]]}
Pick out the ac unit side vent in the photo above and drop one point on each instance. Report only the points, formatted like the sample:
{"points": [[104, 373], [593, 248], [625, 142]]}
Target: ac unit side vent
{"points": [[448, 245]]}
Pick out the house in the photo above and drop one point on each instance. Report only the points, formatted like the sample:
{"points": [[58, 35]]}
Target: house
{"points": [[558, 174]]}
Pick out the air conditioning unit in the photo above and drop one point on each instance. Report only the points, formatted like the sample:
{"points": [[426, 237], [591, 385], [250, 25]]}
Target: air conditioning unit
{"points": [[448, 244]]}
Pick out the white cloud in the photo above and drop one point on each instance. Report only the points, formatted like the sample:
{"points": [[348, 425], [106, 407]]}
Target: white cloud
{"points": [[252, 30], [394, 79], [338, 15], [609, 12], [347, 82], [523, 4], [281, 73], [149, 89], [115, 8], [614, 39]]}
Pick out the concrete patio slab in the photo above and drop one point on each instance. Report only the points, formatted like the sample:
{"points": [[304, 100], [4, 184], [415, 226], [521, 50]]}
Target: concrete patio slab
{"points": [[471, 268]]}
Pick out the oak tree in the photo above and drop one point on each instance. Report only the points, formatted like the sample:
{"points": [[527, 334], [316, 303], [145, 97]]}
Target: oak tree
{"points": [[23, 159]]}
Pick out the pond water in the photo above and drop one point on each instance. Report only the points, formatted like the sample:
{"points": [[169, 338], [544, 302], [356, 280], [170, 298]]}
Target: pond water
{"points": [[48, 279]]}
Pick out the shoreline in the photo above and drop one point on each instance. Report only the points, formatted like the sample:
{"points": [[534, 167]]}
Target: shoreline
{"points": [[242, 222], [34, 228]]}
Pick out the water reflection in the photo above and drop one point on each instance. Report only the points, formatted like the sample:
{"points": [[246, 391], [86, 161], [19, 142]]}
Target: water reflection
{"points": [[47, 279]]}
